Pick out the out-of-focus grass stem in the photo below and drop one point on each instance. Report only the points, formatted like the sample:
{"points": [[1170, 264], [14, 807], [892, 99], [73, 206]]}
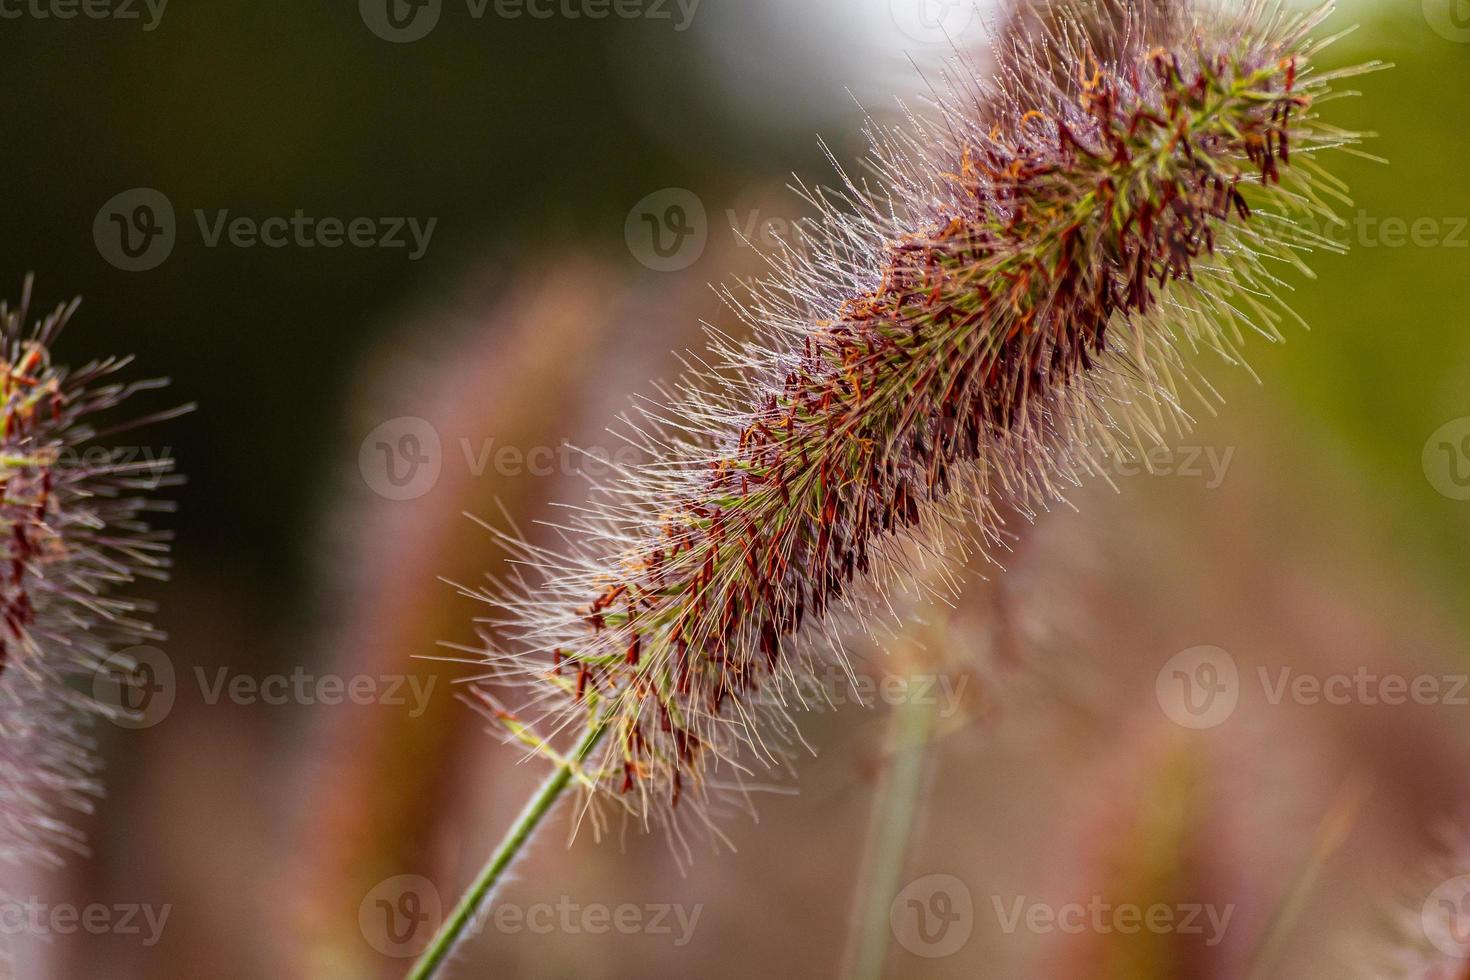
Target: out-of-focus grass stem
{"points": [[895, 811]]}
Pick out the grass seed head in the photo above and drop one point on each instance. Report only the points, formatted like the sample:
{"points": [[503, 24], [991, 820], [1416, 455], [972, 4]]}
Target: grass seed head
{"points": [[1007, 298]]}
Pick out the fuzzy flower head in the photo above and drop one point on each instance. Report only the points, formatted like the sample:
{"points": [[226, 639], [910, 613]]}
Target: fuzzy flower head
{"points": [[962, 336], [74, 526]]}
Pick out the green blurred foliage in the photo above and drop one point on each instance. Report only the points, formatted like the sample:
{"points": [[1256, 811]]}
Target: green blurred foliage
{"points": [[1388, 359]]}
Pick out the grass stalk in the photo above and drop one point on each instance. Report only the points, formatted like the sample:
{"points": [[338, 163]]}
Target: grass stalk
{"points": [[475, 900], [895, 809]]}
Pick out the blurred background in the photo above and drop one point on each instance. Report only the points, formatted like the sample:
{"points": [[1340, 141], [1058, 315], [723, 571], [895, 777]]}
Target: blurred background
{"points": [[544, 203]]}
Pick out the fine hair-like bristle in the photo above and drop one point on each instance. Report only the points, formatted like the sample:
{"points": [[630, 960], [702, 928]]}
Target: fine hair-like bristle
{"points": [[1008, 299], [75, 529]]}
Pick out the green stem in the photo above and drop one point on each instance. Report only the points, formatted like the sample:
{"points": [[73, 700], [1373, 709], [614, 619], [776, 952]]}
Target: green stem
{"points": [[894, 814], [474, 900]]}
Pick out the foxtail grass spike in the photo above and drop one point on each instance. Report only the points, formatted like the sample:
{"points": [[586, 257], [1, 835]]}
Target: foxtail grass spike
{"points": [[1024, 284]]}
